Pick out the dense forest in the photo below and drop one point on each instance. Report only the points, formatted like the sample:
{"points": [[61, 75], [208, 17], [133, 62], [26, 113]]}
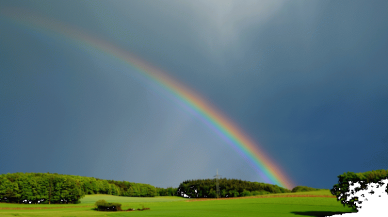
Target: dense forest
{"points": [[56, 188], [228, 188]]}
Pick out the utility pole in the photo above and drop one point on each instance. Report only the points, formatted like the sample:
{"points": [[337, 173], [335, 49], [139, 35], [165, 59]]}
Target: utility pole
{"points": [[217, 185]]}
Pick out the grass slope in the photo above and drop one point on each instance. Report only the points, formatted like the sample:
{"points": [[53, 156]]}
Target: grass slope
{"points": [[176, 206]]}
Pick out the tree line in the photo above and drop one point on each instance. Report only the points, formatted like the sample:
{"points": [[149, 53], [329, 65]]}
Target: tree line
{"points": [[341, 190], [170, 191], [304, 189], [202, 188], [50, 188]]}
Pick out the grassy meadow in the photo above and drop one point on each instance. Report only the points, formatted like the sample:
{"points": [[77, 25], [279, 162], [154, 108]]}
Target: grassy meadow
{"points": [[267, 206]]}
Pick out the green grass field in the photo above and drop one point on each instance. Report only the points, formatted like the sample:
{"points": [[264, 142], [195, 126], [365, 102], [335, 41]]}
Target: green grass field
{"points": [[177, 206]]}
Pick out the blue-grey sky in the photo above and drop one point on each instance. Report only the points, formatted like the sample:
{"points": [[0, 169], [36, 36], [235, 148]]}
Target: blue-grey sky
{"points": [[306, 80]]}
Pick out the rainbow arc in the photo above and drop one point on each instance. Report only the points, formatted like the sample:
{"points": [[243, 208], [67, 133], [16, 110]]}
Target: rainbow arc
{"points": [[219, 122]]}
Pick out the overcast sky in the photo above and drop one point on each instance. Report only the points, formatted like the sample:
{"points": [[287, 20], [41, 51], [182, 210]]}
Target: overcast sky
{"points": [[306, 80]]}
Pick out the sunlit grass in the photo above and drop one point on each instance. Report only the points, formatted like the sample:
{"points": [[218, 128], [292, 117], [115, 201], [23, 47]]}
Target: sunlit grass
{"points": [[91, 199], [177, 206]]}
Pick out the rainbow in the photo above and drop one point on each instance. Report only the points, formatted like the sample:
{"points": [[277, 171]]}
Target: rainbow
{"points": [[207, 112]]}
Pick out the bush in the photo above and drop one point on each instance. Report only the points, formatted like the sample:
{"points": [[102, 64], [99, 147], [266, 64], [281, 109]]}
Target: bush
{"points": [[102, 205], [233, 193], [100, 202], [246, 193]]}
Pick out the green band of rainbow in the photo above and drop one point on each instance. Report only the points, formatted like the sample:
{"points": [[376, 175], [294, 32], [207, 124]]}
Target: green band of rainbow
{"points": [[227, 129]]}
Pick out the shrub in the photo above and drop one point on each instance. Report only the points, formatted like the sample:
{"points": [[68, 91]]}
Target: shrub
{"points": [[233, 193], [102, 205], [245, 193], [100, 202]]}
